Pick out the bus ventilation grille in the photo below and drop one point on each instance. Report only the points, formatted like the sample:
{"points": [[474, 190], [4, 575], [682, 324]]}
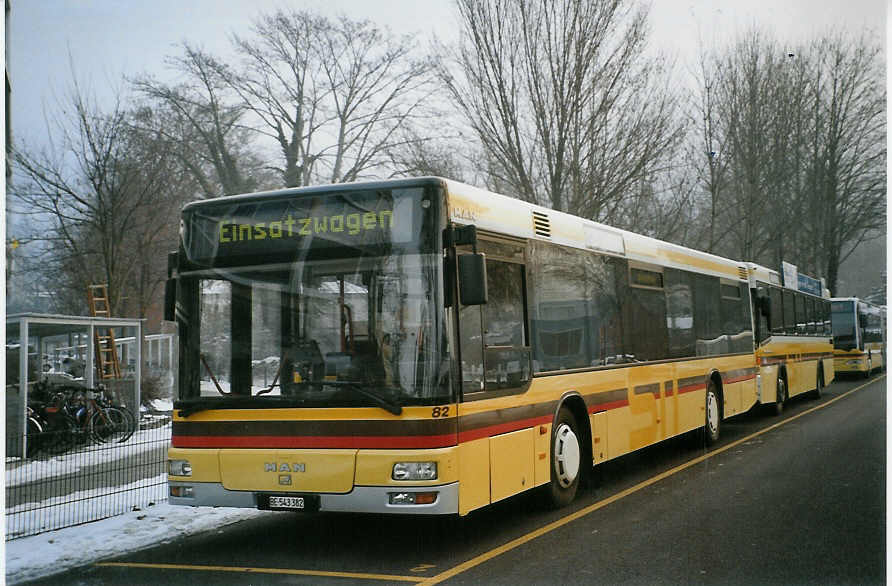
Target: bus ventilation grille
{"points": [[743, 272], [541, 224]]}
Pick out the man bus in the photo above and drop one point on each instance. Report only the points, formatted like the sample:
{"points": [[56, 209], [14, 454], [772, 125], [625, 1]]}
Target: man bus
{"points": [[859, 336], [424, 346], [794, 346]]}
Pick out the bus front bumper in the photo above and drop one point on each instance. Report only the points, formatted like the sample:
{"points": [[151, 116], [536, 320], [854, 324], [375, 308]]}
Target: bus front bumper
{"points": [[362, 499]]}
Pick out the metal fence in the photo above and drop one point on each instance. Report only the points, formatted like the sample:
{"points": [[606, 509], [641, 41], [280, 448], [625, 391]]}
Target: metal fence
{"points": [[58, 487]]}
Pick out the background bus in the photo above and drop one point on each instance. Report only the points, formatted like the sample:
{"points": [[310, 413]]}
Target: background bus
{"points": [[437, 348], [859, 336], [795, 350]]}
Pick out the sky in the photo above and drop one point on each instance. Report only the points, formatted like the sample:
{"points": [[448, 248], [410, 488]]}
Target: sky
{"points": [[103, 40]]}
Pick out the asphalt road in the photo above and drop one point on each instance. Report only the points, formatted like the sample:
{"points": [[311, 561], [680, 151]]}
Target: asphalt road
{"points": [[794, 499]]}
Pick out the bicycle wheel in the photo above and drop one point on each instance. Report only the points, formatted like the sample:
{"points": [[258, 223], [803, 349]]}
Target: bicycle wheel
{"points": [[132, 424], [108, 425], [34, 436]]}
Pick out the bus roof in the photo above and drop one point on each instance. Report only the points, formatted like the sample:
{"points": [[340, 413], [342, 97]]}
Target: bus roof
{"points": [[506, 215]]}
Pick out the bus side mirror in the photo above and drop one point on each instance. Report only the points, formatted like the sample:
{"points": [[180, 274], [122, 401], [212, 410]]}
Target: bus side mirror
{"points": [[472, 279], [170, 300]]}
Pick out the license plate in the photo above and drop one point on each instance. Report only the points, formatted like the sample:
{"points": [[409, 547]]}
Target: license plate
{"points": [[294, 503]]}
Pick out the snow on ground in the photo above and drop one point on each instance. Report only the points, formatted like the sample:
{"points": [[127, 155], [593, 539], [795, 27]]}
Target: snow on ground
{"points": [[49, 553]]}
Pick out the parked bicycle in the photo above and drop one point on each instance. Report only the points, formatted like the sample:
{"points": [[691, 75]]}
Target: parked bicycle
{"points": [[65, 416]]}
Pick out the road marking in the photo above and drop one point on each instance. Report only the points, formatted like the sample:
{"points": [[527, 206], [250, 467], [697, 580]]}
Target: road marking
{"points": [[476, 561], [249, 570]]}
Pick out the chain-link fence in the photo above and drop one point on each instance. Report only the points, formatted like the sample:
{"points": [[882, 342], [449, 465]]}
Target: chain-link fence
{"points": [[68, 477]]}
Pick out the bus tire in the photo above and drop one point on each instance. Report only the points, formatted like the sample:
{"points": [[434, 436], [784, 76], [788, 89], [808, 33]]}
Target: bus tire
{"points": [[781, 395], [566, 459], [819, 385], [712, 426]]}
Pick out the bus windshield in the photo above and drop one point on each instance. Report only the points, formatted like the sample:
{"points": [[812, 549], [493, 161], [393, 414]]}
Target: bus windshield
{"points": [[349, 320], [844, 325]]}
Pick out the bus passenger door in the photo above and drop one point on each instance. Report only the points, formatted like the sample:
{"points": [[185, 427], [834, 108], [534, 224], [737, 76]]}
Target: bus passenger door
{"points": [[497, 456]]}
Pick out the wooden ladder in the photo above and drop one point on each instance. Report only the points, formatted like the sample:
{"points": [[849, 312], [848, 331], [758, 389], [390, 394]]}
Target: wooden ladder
{"points": [[107, 363]]}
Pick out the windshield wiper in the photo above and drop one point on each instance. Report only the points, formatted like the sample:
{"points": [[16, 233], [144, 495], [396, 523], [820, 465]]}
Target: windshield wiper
{"points": [[355, 386]]}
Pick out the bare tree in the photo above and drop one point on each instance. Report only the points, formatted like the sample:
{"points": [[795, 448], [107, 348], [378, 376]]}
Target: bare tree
{"points": [[793, 141], [569, 110], [103, 193], [849, 164], [201, 121], [336, 96]]}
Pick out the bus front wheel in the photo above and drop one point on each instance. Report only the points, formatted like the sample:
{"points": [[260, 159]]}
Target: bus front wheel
{"points": [[566, 459]]}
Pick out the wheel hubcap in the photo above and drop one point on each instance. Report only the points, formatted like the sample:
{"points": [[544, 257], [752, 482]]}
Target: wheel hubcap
{"points": [[712, 412], [567, 455]]}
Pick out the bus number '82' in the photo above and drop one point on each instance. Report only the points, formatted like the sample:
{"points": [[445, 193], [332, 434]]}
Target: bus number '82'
{"points": [[440, 411]]}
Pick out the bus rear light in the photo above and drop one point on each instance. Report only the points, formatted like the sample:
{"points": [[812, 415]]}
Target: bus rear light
{"points": [[412, 498]]}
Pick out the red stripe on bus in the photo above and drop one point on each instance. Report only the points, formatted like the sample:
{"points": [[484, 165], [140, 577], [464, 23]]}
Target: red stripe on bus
{"points": [[691, 388], [739, 379], [608, 406], [491, 430]]}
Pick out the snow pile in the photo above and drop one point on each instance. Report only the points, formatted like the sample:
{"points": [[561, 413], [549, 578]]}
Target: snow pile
{"points": [[42, 555], [26, 518]]}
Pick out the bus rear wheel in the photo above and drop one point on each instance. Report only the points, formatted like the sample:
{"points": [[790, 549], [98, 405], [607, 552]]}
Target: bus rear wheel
{"points": [[819, 385], [713, 424], [781, 396], [566, 459]]}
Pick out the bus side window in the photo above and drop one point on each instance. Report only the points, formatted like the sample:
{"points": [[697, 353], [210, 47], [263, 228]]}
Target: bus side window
{"points": [[789, 313], [812, 325], [507, 355], [776, 319]]}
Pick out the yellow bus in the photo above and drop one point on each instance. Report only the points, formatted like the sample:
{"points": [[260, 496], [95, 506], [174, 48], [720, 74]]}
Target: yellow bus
{"points": [[421, 346], [794, 347], [859, 336]]}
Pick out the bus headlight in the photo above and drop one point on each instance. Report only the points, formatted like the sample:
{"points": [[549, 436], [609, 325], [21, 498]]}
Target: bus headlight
{"points": [[179, 468], [415, 471]]}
